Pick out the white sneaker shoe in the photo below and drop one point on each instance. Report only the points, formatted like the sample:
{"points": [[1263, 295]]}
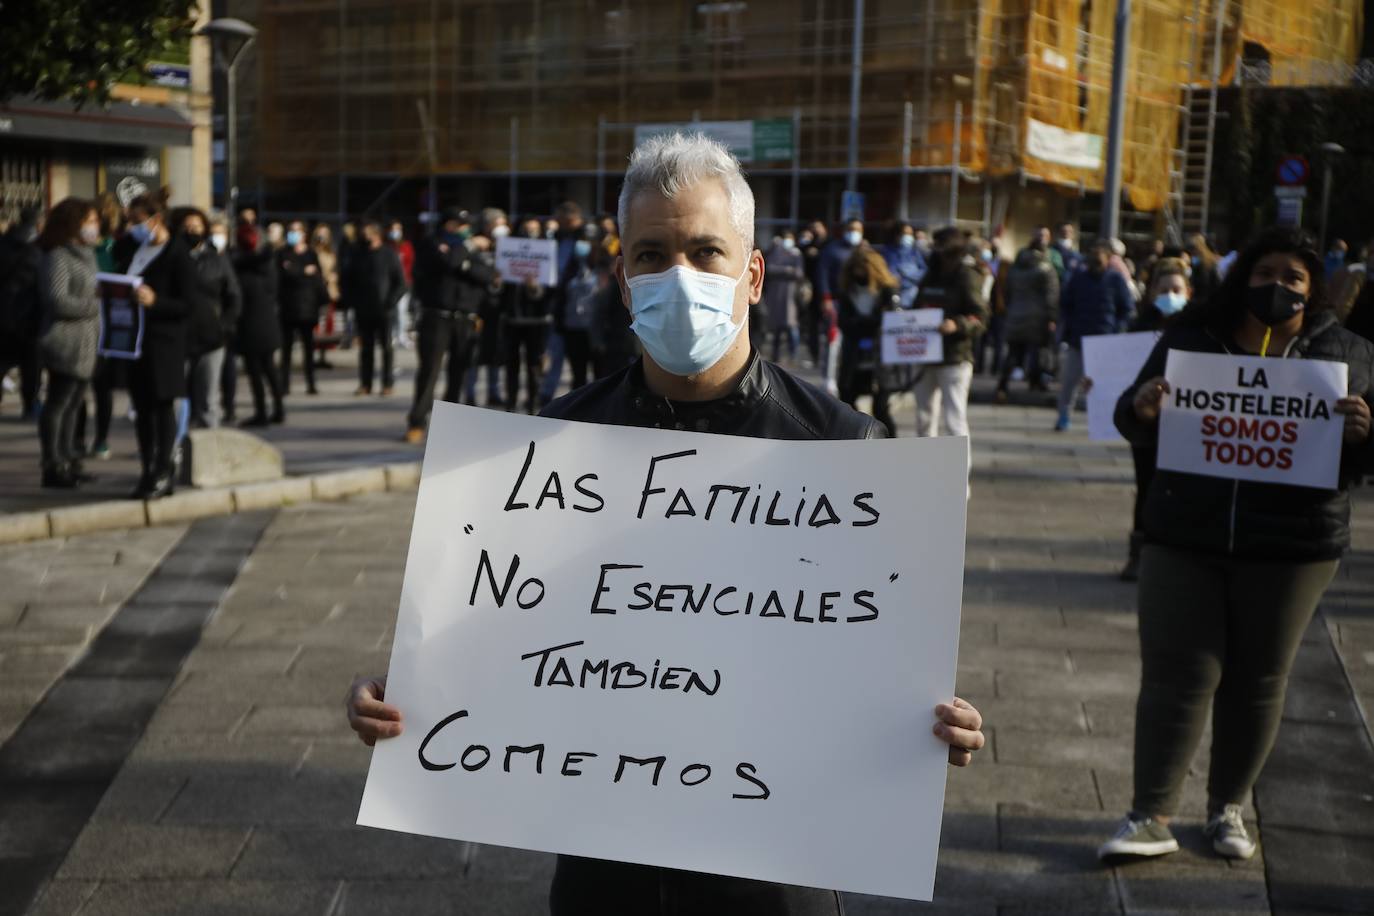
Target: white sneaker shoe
{"points": [[1139, 836], [1228, 834]]}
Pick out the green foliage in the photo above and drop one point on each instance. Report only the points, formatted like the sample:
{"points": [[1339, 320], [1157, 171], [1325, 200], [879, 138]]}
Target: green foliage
{"points": [[78, 49]]}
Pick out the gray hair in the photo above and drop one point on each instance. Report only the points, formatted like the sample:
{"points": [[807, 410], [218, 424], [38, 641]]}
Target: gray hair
{"points": [[670, 163], [491, 216]]}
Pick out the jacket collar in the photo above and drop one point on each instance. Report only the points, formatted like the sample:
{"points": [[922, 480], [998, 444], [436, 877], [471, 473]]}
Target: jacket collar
{"points": [[719, 415]]}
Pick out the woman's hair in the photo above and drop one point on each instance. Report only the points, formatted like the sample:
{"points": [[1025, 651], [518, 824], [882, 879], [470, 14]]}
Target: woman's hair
{"points": [[1167, 267], [111, 213], [64, 222], [179, 215], [1224, 310], [148, 204], [866, 258], [321, 236]]}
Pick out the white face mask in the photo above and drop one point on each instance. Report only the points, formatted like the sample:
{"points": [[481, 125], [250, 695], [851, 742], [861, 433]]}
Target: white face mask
{"points": [[500, 232], [90, 235], [684, 317], [854, 237], [219, 240]]}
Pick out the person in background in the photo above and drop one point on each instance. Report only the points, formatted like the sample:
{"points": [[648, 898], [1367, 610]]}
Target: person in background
{"points": [[1032, 306], [906, 262], [1095, 301], [158, 377], [490, 352], [568, 229], [614, 345], [867, 289], [109, 373], [70, 307], [214, 304], [550, 228], [248, 216], [276, 235], [21, 263], [1065, 254], [396, 238], [450, 281], [1232, 571], [526, 318], [332, 262], [1335, 258], [954, 285], [993, 269], [372, 285], [782, 278], [111, 224], [1206, 275], [579, 296], [811, 242], [259, 333], [301, 291], [610, 236], [1122, 265], [229, 373], [833, 258], [1167, 297]]}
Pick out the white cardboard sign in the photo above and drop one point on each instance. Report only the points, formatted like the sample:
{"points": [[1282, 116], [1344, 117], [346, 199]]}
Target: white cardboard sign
{"points": [[714, 653], [912, 337], [520, 259], [1252, 418], [1113, 362]]}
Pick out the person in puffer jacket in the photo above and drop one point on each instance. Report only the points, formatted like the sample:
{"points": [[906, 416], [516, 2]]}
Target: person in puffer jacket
{"points": [[1232, 571]]}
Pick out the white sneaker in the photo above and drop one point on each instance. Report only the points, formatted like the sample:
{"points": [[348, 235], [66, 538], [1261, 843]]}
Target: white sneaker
{"points": [[1139, 836], [1228, 834]]}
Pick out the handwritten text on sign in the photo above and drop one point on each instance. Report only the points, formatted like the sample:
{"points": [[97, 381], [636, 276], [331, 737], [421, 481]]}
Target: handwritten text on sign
{"points": [[912, 336], [519, 260], [1251, 418], [1112, 361], [705, 652]]}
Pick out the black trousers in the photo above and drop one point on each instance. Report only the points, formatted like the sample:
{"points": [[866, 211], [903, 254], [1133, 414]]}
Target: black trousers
{"points": [[156, 427], [229, 382], [1144, 460], [262, 375], [23, 354], [305, 333], [577, 350], [440, 335], [1019, 354], [57, 423], [375, 331], [528, 341]]}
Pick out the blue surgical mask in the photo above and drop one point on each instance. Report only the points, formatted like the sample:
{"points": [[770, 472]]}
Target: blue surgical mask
{"points": [[294, 237], [582, 248], [907, 241], [789, 244], [1170, 303], [684, 317], [854, 237], [141, 232]]}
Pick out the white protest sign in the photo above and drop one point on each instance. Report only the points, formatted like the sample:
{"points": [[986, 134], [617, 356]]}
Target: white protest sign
{"points": [[121, 317], [1251, 418], [520, 259], [1112, 361], [912, 336], [707, 652]]}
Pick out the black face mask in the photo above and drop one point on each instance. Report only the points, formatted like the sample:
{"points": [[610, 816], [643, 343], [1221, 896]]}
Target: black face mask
{"points": [[1273, 303], [193, 239]]}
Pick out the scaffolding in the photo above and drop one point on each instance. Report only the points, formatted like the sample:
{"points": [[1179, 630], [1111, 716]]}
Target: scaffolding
{"points": [[482, 87]]}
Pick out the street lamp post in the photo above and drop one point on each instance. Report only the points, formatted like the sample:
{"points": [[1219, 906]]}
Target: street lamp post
{"points": [[1329, 152], [230, 38]]}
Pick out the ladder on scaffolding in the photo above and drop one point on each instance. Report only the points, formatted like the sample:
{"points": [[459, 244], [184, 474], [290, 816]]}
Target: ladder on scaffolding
{"points": [[1187, 208]]}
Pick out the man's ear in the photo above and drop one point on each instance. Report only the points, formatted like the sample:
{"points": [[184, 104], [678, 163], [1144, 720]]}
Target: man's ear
{"points": [[755, 276], [618, 268]]}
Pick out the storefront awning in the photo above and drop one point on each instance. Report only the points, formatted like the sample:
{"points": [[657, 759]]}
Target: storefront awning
{"points": [[121, 123]]}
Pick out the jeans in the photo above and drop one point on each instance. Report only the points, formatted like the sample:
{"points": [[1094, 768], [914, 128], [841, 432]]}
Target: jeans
{"points": [[1070, 377], [942, 394], [1216, 633], [375, 332], [203, 381], [57, 422]]}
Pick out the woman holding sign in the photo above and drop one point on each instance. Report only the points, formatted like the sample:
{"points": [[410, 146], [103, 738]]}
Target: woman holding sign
{"points": [[1232, 570]]}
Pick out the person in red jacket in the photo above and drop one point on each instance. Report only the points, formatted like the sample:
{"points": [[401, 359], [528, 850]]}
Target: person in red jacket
{"points": [[396, 238]]}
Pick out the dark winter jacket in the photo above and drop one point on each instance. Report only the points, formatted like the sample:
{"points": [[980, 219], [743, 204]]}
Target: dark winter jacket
{"points": [[160, 373], [451, 278], [300, 290], [522, 307], [259, 328], [957, 288], [373, 282], [1258, 521], [1032, 293], [1094, 303], [21, 308], [215, 302]]}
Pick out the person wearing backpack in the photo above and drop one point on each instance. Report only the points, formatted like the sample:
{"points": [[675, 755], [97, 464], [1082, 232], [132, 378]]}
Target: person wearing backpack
{"points": [[20, 308]]}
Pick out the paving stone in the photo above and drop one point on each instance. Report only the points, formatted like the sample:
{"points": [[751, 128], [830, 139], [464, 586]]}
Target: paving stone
{"points": [[270, 495], [254, 798], [347, 852], [212, 898], [91, 517], [1049, 787], [341, 484], [1050, 685], [63, 898], [300, 721], [24, 526], [1077, 750], [444, 897], [127, 851]]}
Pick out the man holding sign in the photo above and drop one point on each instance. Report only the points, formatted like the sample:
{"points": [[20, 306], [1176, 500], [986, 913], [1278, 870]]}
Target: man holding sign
{"points": [[1244, 399], [689, 273]]}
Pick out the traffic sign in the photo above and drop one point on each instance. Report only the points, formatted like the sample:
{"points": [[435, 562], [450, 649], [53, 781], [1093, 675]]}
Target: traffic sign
{"points": [[1284, 191], [1293, 170]]}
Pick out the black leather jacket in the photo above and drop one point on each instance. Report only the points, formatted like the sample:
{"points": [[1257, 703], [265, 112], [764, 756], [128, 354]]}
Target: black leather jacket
{"points": [[1256, 521], [768, 403]]}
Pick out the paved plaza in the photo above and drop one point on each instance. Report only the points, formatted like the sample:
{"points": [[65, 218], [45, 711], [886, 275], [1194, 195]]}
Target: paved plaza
{"points": [[171, 706]]}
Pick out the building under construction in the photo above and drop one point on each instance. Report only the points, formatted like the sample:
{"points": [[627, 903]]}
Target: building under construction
{"points": [[992, 112]]}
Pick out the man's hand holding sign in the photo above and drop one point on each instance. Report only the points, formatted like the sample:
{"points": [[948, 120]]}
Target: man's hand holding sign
{"points": [[718, 654]]}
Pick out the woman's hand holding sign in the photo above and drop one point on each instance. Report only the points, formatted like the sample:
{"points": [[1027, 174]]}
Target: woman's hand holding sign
{"points": [[146, 296], [1149, 397], [1357, 423], [961, 727]]}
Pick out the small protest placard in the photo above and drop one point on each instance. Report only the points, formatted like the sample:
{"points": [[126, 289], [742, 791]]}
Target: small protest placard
{"points": [[1112, 361], [912, 337], [1252, 418], [121, 317], [706, 652], [519, 260]]}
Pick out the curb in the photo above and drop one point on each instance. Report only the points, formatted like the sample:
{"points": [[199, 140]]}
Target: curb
{"points": [[115, 515]]}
